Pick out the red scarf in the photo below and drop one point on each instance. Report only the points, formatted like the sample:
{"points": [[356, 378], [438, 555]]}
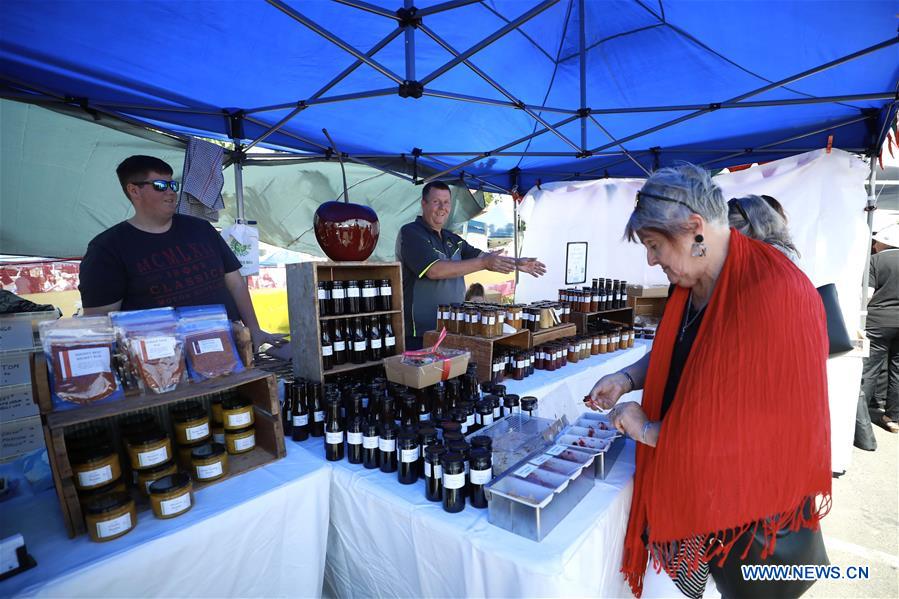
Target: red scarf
{"points": [[747, 436]]}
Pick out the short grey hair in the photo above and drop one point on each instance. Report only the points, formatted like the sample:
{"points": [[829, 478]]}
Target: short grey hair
{"points": [[764, 219], [691, 191]]}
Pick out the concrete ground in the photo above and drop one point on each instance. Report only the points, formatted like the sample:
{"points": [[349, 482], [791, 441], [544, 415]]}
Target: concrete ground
{"points": [[862, 528]]}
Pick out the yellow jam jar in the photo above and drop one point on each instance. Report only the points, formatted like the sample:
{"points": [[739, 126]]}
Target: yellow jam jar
{"points": [[117, 486], [148, 448], [147, 477], [190, 423], [95, 467], [209, 462], [183, 453], [237, 413], [240, 441], [171, 496], [110, 517]]}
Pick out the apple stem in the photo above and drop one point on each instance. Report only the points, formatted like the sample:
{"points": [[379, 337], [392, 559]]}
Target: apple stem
{"points": [[346, 191]]}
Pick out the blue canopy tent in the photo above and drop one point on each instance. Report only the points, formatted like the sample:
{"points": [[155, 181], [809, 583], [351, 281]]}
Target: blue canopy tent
{"points": [[497, 93]]}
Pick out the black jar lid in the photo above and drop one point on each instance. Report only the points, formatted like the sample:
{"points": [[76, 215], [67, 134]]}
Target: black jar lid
{"points": [[479, 458], [172, 482], [235, 402], [149, 472], [510, 400], [90, 453], [86, 496], [458, 415], [454, 459], [529, 403], [240, 431], [458, 446], [487, 387], [146, 436], [450, 426], [499, 390], [337, 284], [427, 434], [107, 503], [207, 450], [133, 423], [449, 436], [481, 442], [485, 407], [468, 406], [407, 440], [434, 451], [189, 410]]}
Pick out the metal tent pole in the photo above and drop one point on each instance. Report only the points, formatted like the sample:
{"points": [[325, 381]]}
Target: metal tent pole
{"points": [[871, 206], [583, 74], [410, 45], [238, 183]]}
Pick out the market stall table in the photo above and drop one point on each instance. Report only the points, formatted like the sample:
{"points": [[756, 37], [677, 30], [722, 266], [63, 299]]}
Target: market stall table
{"points": [[259, 534], [386, 539]]}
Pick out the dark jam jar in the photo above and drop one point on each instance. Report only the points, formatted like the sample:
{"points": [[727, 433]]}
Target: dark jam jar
{"points": [[387, 446], [529, 405], [459, 416], [482, 442], [352, 297], [496, 404], [338, 298], [479, 474], [369, 296], [408, 453], [433, 472], [511, 404], [484, 410], [427, 435], [334, 436], [385, 295], [324, 298], [370, 452], [453, 482], [354, 437]]}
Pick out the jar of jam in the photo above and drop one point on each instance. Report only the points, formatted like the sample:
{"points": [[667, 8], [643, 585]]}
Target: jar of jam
{"points": [[604, 342], [427, 435], [486, 328], [443, 317], [453, 464], [171, 496], [145, 478], [572, 350], [529, 405], [511, 404], [520, 367], [370, 294], [370, 450], [484, 416], [109, 517], [622, 339], [458, 416], [630, 337], [479, 474], [531, 359], [408, 453], [470, 420], [385, 295], [433, 472], [500, 321], [95, 467], [594, 344], [583, 348], [241, 440], [474, 322], [351, 305], [237, 413], [209, 462], [148, 448], [190, 423], [324, 298], [499, 369], [615, 340], [454, 322]]}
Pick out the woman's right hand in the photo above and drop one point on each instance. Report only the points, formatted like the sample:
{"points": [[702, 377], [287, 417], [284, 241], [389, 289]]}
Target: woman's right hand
{"points": [[607, 391]]}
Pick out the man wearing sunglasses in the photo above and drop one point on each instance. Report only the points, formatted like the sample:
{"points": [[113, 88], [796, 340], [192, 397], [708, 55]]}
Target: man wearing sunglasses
{"points": [[159, 258]]}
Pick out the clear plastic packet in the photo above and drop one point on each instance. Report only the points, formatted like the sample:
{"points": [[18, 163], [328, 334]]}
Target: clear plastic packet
{"points": [[153, 345], [208, 342], [79, 358]]}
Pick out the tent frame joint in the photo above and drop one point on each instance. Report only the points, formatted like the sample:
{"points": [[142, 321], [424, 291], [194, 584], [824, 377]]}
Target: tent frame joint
{"points": [[408, 17], [583, 112], [584, 154], [411, 89]]}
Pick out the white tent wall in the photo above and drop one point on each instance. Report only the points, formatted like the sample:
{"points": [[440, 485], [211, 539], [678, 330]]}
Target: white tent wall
{"points": [[824, 197]]}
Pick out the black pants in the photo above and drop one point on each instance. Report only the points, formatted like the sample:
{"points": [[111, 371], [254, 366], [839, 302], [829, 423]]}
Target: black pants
{"points": [[884, 349], [413, 343]]}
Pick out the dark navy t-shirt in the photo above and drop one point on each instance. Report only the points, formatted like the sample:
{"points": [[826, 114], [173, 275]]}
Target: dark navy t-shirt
{"points": [[185, 266]]}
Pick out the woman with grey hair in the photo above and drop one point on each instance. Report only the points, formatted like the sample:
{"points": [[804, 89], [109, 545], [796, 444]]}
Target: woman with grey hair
{"points": [[734, 418], [762, 218]]}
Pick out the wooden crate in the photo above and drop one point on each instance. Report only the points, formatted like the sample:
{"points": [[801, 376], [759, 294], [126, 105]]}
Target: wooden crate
{"points": [[557, 332], [481, 349], [257, 386], [581, 320], [648, 306], [305, 320]]}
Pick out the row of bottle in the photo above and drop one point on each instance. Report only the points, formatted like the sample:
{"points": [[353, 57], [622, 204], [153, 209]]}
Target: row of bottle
{"points": [[336, 298], [356, 340], [603, 294]]}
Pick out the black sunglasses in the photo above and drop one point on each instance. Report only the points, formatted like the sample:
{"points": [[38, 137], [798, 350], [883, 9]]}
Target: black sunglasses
{"points": [[735, 202], [159, 184], [643, 194]]}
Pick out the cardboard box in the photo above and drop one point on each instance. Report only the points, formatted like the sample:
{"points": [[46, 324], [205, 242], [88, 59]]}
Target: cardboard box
{"points": [[647, 291], [419, 377]]}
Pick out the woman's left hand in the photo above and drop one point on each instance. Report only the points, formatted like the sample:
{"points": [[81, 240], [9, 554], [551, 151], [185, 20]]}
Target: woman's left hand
{"points": [[261, 337], [629, 418]]}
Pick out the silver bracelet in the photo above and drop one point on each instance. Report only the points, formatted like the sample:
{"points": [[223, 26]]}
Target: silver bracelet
{"points": [[643, 432]]}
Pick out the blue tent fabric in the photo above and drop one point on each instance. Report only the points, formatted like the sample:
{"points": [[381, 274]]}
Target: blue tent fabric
{"points": [[233, 69]]}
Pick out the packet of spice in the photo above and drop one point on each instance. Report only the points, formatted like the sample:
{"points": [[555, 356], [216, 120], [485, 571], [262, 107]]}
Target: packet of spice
{"points": [[153, 345], [79, 359], [208, 342]]}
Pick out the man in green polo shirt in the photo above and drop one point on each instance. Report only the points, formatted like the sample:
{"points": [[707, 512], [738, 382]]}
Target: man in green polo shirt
{"points": [[435, 263]]}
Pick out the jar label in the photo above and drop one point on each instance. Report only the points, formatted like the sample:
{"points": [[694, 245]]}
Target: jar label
{"points": [[487, 419], [359, 345], [352, 292], [209, 346], [110, 528], [624, 296], [386, 291], [481, 477], [497, 367], [596, 341], [369, 292], [170, 507], [327, 351], [453, 481], [596, 298], [555, 449], [219, 438], [340, 346], [387, 445], [464, 428], [332, 438], [370, 442], [239, 419], [210, 471], [492, 322], [243, 444], [539, 459], [502, 317], [338, 294], [154, 348], [322, 294], [525, 470], [92, 478], [376, 344], [520, 364], [197, 432], [424, 416], [408, 456], [151, 458], [496, 413], [82, 362], [485, 319], [389, 341], [616, 338], [469, 420], [428, 469], [354, 438], [319, 416]]}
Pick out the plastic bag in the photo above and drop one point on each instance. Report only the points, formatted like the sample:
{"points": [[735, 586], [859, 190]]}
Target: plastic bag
{"points": [[209, 344], [153, 345], [79, 356], [243, 239]]}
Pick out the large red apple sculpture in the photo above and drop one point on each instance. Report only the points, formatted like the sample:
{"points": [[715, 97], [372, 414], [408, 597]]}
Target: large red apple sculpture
{"points": [[346, 232]]}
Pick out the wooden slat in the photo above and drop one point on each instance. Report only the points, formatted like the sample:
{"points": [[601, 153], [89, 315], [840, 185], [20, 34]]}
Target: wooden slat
{"points": [[481, 349], [40, 383], [557, 332]]}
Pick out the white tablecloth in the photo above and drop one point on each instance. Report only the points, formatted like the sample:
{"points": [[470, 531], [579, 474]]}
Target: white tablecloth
{"points": [[562, 391], [262, 534], [387, 540]]}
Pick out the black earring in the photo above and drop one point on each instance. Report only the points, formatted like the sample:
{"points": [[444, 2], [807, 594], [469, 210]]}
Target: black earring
{"points": [[699, 239]]}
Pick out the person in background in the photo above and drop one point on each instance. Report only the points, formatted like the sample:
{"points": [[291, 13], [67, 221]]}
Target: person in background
{"points": [[764, 219], [475, 293], [734, 418], [435, 262], [158, 258], [882, 324]]}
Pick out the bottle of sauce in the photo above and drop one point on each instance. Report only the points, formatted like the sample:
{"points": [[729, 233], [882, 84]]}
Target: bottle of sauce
{"points": [[359, 352], [369, 296], [370, 452], [408, 453], [327, 348], [480, 473], [387, 446], [352, 297], [375, 342], [334, 432], [388, 336], [287, 420], [433, 472], [453, 482], [385, 295], [338, 296], [316, 409], [299, 412], [324, 298], [354, 437]]}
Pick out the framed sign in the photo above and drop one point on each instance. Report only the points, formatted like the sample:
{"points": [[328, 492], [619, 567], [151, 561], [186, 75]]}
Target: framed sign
{"points": [[576, 262]]}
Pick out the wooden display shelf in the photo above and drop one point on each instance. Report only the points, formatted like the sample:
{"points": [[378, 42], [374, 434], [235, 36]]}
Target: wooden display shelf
{"points": [[306, 322], [257, 386], [551, 334], [624, 316], [482, 350]]}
